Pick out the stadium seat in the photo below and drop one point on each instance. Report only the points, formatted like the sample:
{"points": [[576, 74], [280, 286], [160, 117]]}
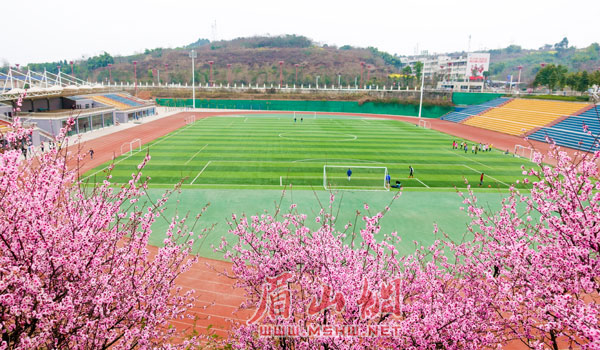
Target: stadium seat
{"points": [[520, 116], [570, 132], [459, 116], [110, 102]]}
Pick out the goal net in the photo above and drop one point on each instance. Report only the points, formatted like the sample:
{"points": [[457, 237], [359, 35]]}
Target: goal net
{"points": [[191, 119], [305, 115], [425, 124], [366, 178], [524, 151], [129, 147]]}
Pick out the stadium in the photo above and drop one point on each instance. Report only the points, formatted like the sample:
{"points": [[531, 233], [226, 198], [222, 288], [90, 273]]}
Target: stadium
{"points": [[235, 149], [399, 167]]}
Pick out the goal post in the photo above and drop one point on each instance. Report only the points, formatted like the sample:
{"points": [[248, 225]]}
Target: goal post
{"points": [[425, 124], [366, 178], [131, 145], [305, 115], [524, 151], [190, 119]]}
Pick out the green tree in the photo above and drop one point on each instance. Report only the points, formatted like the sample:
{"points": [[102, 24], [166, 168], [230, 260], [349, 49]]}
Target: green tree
{"points": [[551, 76], [571, 81], [418, 70], [407, 75], [583, 82], [562, 45]]}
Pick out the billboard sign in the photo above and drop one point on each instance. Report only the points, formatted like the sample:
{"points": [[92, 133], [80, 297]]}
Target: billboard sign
{"points": [[477, 63]]}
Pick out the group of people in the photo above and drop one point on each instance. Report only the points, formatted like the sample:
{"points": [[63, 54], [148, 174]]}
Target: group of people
{"points": [[481, 147]]}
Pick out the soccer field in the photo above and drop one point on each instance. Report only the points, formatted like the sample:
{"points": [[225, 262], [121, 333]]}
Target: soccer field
{"points": [[271, 150]]}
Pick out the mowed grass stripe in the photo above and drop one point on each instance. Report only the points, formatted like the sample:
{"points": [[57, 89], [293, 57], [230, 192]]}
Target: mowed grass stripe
{"points": [[240, 153]]}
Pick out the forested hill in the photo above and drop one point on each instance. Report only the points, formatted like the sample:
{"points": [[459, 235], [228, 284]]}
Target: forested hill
{"points": [[255, 60]]}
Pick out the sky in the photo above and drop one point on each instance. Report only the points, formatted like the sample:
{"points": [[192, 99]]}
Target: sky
{"points": [[44, 30]]}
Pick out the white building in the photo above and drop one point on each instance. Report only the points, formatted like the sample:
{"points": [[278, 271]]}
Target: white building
{"points": [[456, 73]]}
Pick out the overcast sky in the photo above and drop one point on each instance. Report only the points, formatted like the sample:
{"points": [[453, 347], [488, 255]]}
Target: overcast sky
{"points": [[49, 30]]}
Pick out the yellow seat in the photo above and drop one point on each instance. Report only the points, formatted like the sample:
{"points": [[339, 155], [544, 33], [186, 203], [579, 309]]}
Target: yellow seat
{"points": [[521, 116], [109, 101]]}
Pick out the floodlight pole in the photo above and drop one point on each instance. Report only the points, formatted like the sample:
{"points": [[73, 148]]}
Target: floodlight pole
{"points": [[210, 75], [280, 74], [228, 74], [72, 71], [422, 84], [135, 76], [318, 76], [110, 73], [362, 67], [193, 55]]}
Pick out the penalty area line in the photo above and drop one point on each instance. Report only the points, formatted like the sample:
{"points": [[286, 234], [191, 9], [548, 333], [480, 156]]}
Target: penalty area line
{"points": [[422, 183], [189, 160], [200, 173], [490, 176]]}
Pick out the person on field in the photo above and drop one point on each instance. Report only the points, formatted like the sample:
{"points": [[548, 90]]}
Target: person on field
{"points": [[411, 171], [91, 153], [397, 185], [466, 147], [481, 180], [349, 173], [388, 179]]}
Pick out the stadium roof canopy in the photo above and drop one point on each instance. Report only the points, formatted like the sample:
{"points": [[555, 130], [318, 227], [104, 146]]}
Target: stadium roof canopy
{"points": [[15, 83]]}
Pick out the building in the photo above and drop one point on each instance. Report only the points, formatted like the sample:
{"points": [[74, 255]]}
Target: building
{"points": [[463, 73], [49, 100]]}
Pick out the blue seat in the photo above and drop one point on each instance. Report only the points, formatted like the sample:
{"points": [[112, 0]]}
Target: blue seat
{"points": [[460, 115], [570, 132], [123, 100]]}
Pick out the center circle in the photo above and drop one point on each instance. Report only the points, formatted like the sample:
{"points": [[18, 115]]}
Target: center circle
{"points": [[318, 136]]}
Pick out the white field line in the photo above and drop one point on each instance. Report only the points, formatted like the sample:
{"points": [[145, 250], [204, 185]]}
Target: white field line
{"points": [[479, 172], [458, 154], [200, 173], [147, 146], [245, 120], [274, 186], [334, 160], [115, 163], [189, 160], [422, 182]]}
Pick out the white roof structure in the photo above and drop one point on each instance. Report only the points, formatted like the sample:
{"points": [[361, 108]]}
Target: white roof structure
{"points": [[15, 83]]}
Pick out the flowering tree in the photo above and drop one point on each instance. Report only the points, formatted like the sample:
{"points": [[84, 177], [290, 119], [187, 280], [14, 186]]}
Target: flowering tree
{"points": [[528, 272], [540, 254], [332, 278], [75, 268]]}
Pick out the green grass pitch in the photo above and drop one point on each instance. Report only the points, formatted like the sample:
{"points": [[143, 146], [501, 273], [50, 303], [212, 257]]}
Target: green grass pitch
{"points": [[271, 150], [239, 164]]}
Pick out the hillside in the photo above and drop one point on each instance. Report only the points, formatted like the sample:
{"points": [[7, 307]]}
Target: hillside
{"points": [[255, 60], [505, 61]]}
